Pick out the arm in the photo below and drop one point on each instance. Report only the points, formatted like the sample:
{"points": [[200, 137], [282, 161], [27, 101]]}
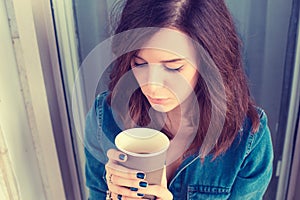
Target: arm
{"points": [[256, 170], [99, 168], [95, 154], [94, 173]]}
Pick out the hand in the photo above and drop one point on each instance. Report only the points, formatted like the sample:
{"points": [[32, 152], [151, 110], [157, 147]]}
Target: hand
{"points": [[160, 191], [130, 184], [123, 183]]}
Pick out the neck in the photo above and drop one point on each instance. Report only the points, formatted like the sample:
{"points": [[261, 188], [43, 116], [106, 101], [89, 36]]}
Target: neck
{"points": [[183, 115], [183, 124]]}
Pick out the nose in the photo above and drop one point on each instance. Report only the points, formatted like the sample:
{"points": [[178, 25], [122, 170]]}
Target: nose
{"points": [[155, 75], [155, 78]]}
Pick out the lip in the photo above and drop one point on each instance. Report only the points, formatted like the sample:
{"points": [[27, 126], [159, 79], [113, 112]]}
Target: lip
{"points": [[157, 100]]}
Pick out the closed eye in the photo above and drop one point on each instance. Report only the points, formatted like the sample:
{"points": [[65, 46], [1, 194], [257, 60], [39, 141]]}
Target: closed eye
{"points": [[174, 69], [135, 64]]}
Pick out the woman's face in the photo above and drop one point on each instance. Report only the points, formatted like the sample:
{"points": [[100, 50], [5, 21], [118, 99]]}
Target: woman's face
{"points": [[166, 75]]}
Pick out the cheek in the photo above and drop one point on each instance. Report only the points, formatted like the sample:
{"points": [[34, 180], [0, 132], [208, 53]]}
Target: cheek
{"points": [[173, 85], [183, 88], [188, 79], [194, 80], [144, 89], [191, 75]]}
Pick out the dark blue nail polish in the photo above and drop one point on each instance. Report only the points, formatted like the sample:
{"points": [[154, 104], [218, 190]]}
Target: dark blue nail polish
{"points": [[143, 184], [133, 189], [119, 197], [140, 195], [140, 175], [122, 157]]}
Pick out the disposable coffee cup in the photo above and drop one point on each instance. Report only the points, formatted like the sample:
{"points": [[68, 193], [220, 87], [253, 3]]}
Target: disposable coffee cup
{"points": [[146, 151]]}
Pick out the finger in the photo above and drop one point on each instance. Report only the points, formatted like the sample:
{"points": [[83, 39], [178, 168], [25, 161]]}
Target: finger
{"points": [[120, 181], [116, 155], [118, 196], [124, 172], [124, 193], [158, 191], [164, 181]]}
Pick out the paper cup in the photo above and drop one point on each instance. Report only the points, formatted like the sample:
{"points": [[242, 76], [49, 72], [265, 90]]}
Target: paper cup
{"points": [[146, 151]]}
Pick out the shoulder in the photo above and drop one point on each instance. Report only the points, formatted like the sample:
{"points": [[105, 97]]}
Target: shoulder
{"points": [[95, 114], [100, 129], [256, 168], [250, 147], [261, 137], [100, 102], [101, 109], [106, 119]]}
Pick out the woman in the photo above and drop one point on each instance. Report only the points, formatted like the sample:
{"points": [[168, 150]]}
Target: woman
{"points": [[179, 70]]}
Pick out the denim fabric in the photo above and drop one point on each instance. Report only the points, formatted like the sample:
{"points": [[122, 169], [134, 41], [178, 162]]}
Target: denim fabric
{"points": [[242, 172]]}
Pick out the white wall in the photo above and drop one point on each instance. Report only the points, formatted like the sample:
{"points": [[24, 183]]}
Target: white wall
{"points": [[13, 118], [27, 145]]}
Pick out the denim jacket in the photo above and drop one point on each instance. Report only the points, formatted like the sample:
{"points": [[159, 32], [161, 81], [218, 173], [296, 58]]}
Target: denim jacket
{"points": [[242, 172]]}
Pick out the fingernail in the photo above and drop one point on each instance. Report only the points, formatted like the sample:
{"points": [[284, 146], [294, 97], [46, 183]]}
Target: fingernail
{"points": [[140, 175], [122, 156], [133, 189], [143, 184], [140, 195], [119, 197]]}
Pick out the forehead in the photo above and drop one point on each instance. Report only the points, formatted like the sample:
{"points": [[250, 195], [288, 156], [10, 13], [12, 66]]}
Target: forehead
{"points": [[170, 42], [157, 55]]}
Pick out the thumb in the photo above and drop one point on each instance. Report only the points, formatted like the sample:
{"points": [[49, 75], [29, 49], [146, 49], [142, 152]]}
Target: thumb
{"points": [[116, 155], [164, 181]]}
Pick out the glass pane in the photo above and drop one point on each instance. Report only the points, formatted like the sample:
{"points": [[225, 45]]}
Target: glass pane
{"points": [[265, 30]]}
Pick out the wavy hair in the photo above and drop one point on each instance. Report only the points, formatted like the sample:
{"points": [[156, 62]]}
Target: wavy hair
{"points": [[210, 24]]}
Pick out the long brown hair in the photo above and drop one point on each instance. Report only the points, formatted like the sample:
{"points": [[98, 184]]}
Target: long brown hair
{"points": [[210, 24]]}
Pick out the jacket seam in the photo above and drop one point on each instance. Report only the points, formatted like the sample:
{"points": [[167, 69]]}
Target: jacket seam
{"points": [[99, 115], [253, 135]]}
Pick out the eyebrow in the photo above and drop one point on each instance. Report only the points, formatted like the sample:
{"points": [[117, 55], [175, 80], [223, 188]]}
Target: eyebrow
{"points": [[164, 61]]}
